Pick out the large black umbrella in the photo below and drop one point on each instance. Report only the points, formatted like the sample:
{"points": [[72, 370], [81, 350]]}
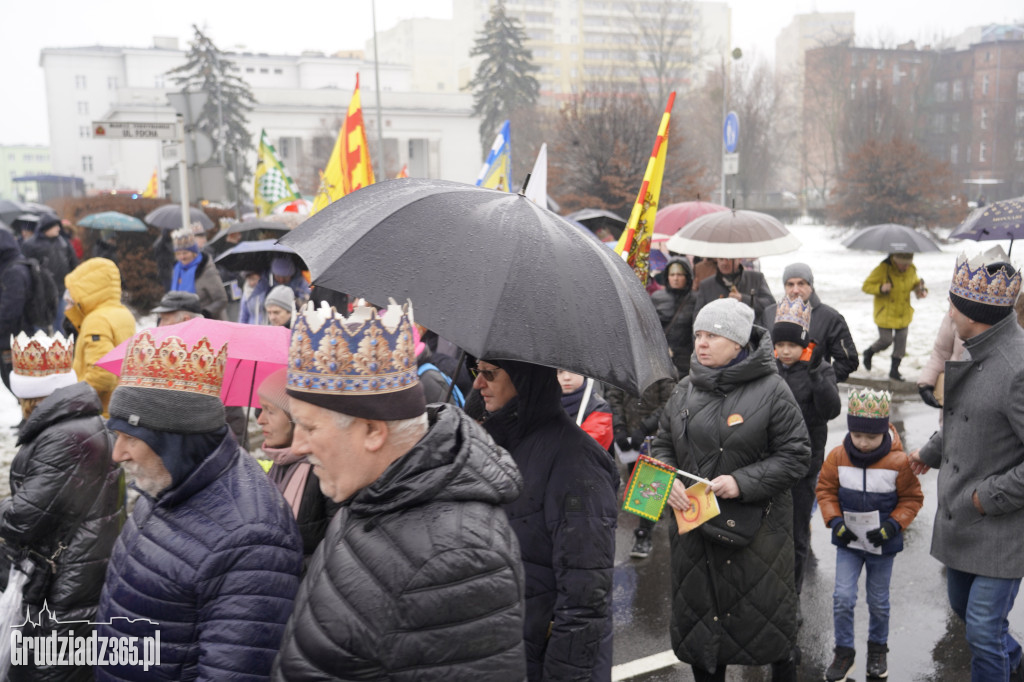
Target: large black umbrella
{"points": [[168, 217], [11, 210], [255, 256], [890, 238], [275, 224], [492, 272], [596, 218], [999, 220]]}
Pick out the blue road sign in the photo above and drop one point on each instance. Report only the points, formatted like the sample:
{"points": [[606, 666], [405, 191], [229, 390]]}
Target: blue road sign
{"points": [[731, 131]]}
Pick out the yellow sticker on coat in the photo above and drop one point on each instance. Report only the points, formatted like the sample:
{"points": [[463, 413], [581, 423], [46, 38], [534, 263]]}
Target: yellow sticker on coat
{"points": [[734, 419]]}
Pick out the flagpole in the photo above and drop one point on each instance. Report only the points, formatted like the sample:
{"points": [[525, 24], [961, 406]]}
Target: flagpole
{"points": [[376, 79]]}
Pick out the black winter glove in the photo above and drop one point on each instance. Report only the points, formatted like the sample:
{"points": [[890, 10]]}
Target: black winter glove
{"points": [[888, 529], [928, 396], [817, 356], [622, 440], [842, 535], [637, 437]]}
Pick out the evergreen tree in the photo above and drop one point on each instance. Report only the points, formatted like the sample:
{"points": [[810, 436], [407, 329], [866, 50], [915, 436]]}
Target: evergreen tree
{"points": [[206, 70], [503, 84]]}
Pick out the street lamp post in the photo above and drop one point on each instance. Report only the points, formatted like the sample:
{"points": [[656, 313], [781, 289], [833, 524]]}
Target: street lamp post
{"points": [[735, 54]]}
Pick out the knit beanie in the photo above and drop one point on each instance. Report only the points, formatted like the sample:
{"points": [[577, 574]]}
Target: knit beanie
{"points": [[868, 411], [273, 391], [282, 266], [726, 317], [282, 296], [984, 292], [801, 270]]}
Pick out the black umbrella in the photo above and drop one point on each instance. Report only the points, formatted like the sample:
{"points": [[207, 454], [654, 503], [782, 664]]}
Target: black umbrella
{"points": [[890, 238], [492, 272], [277, 223], [596, 218], [255, 256], [999, 220], [12, 210], [168, 217]]}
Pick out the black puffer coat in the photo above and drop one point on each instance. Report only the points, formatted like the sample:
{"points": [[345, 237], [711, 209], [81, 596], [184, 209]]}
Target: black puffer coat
{"points": [[65, 489], [750, 284], [736, 605], [830, 331], [419, 575], [630, 414], [675, 310], [15, 289], [53, 253], [816, 394], [565, 520]]}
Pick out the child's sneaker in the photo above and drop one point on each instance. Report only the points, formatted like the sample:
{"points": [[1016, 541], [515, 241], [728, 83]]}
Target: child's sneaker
{"points": [[842, 664], [878, 667], [641, 545]]}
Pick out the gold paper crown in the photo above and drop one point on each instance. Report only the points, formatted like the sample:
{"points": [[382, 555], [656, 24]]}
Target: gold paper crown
{"points": [[42, 355], [869, 403], [973, 282], [795, 311], [362, 355], [172, 366], [183, 238]]}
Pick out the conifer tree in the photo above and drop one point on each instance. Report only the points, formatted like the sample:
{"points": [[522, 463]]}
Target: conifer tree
{"points": [[503, 84]]}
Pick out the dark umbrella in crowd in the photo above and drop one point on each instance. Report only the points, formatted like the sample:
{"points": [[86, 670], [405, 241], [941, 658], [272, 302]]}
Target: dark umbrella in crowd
{"points": [[733, 234], [12, 210], [999, 220], [890, 238], [168, 217], [595, 218], [492, 272], [256, 256], [279, 223]]}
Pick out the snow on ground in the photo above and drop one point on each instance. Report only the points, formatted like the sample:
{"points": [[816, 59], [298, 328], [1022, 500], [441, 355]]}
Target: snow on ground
{"points": [[838, 274]]}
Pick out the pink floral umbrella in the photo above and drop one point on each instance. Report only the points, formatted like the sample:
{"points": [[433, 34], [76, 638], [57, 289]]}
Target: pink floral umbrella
{"points": [[254, 352]]}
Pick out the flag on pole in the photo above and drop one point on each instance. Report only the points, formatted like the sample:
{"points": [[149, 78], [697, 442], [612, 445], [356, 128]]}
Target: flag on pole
{"points": [[273, 185], [537, 190], [153, 188], [497, 168], [635, 243], [404, 173], [349, 167], [648, 487]]}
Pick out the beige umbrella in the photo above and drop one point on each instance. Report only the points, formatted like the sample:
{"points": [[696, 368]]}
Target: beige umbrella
{"points": [[734, 234]]}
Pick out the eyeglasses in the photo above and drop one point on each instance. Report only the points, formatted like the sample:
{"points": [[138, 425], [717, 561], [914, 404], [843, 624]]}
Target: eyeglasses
{"points": [[488, 374]]}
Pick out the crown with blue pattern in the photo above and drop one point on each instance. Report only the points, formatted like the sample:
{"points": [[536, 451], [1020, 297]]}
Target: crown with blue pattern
{"points": [[973, 281], [795, 311]]}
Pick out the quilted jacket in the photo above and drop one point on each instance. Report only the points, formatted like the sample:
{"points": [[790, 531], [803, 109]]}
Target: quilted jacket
{"points": [[736, 606], [418, 577], [214, 562]]}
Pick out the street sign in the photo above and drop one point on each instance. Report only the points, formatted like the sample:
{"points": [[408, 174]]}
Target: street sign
{"points": [[731, 131], [730, 164], [127, 130]]}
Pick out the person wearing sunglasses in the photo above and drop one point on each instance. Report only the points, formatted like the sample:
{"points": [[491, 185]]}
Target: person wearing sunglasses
{"points": [[569, 493]]}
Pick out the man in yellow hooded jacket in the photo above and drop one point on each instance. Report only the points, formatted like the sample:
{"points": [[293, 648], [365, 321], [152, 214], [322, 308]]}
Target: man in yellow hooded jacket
{"points": [[102, 322]]}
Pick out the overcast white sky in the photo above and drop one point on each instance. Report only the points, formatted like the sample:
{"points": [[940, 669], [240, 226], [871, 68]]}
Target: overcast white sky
{"points": [[290, 27]]}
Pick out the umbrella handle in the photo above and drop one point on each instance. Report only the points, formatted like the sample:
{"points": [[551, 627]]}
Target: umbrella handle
{"points": [[458, 366], [586, 399]]}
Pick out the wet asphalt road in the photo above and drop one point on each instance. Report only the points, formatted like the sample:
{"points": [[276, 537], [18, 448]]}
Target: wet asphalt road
{"points": [[926, 640]]}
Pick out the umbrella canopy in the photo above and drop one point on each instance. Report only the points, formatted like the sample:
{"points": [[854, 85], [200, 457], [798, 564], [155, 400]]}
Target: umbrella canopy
{"points": [[999, 220], [492, 272], [276, 222], [255, 256], [11, 210], [733, 234], [112, 220], [674, 217], [596, 218], [168, 217], [254, 352], [890, 238]]}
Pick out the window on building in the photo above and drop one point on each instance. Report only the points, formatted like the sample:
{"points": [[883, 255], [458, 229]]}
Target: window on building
{"points": [[983, 123], [87, 164], [112, 83], [1019, 117], [1020, 85], [84, 131], [250, 69], [984, 84], [938, 123], [853, 59], [954, 122], [80, 82], [982, 152], [853, 90], [954, 154], [958, 90], [278, 71], [880, 62], [158, 81], [1018, 149], [941, 91], [83, 108], [264, 70]]}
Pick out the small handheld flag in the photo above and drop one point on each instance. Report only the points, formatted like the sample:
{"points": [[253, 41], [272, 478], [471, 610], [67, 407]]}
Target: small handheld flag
{"points": [[273, 185], [152, 189], [648, 487], [498, 167]]}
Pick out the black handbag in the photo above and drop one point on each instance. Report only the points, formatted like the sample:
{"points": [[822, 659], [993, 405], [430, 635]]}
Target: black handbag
{"points": [[737, 524]]}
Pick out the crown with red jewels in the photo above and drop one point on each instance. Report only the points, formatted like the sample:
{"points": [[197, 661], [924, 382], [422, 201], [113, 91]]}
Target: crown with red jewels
{"points": [[973, 282], [795, 311], [171, 365], [42, 355]]}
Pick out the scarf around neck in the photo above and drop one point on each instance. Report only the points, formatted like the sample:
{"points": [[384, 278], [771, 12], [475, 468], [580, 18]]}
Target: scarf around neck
{"points": [[289, 473], [185, 275]]}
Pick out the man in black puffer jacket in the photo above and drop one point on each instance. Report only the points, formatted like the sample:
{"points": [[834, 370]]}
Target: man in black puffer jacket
{"points": [[15, 290], [565, 521], [418, 576]]}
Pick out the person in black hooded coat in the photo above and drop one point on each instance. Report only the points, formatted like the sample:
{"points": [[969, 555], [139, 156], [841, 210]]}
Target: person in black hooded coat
{"points": [[674, 305], [565, 520], [65, 490], [15, 290]]}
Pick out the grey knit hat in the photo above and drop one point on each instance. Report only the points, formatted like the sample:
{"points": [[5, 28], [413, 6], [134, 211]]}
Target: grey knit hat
{"points": [[801, 270], [726, 317], [282, 296]]}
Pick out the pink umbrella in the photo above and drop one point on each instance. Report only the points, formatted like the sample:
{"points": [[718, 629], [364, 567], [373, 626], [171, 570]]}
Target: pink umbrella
{"points": [[254, 352], [674, 217]]}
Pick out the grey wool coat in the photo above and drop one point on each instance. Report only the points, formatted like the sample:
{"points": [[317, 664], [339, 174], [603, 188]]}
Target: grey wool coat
{"points": [[736, 606], [981, 448]]}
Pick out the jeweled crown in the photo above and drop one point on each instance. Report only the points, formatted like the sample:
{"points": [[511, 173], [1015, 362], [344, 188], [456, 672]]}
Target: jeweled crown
{"points": [[794, 310], [42, 355], [171, 365], [367, 353], [973, 282], [183, 238], [869, 403]]}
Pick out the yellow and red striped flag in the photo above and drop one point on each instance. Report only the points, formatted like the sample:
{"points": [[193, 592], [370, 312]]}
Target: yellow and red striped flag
{"points": [[153, 188], [349, 167], [635, 243], [404, 173]]}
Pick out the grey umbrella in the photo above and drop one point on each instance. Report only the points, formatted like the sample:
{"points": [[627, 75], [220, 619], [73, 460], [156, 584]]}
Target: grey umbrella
{"points": [[595, 218], [168, 217], [492, 272], [890, 238], [278, 223]]}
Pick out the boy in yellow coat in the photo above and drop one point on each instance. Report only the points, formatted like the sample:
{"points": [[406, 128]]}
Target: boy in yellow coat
{"points": [[891, 283]]}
